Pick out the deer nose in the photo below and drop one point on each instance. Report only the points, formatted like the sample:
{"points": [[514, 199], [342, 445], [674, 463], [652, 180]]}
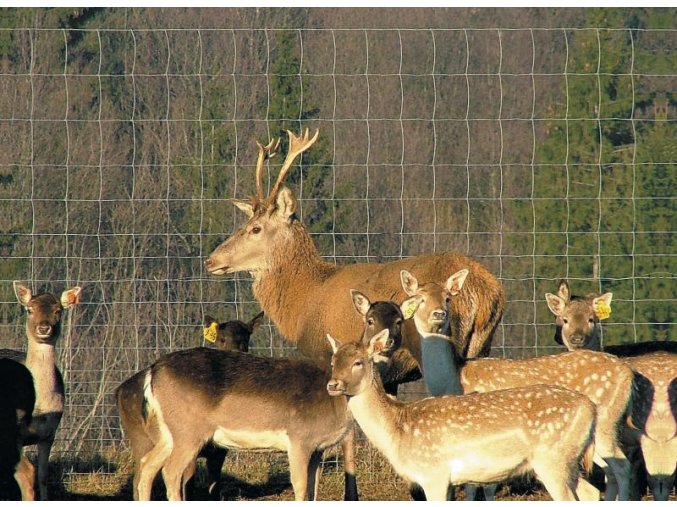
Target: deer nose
{"points": [[335, 386], [44, 329], [208, 263], [439, 315]]}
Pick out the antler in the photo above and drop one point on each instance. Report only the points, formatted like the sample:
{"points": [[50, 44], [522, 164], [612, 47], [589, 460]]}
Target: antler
{"points": [[297, 145], [265, 153]]}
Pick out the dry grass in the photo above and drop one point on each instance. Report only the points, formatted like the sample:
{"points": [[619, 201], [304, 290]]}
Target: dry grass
{"points": [[256, 476]]}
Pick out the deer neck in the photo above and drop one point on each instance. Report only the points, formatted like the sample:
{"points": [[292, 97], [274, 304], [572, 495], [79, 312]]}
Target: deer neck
{"points": [[440, 368], [41, 361], [377, 415], [291, 281]]}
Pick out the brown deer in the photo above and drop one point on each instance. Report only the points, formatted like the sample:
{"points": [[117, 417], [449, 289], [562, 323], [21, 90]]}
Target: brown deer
{"points": [[479, 437], [143, 434], [296, 287], [654, 415], [239, 401], [603, 378], [17, 401], [43, 328]]}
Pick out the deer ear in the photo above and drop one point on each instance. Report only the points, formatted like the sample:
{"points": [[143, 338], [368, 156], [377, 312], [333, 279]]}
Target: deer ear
{"points": [[360, 301], [409, 307], [606, 297], [378, 342], [456, 281], [256, 321], [563, 290], [285, 203], [70, 297], [209, 320], [23, 293], [409, 282], [555, 303], [335, 344], [244, 206]]}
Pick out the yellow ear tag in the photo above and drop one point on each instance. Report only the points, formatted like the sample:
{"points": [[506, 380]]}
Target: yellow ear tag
{"points": [[410, 309], [211, 332], [602, 310]]}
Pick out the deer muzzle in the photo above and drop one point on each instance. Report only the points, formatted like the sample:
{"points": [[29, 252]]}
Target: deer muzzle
{"points": [[212, 267], [336, 387], [43, 330]]}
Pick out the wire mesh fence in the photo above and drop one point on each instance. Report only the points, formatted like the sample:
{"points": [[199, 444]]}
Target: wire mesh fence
{"points": [[545, 153]]}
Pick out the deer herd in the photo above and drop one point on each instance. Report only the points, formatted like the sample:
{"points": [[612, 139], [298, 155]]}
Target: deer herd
{"points": [[364, 329]]}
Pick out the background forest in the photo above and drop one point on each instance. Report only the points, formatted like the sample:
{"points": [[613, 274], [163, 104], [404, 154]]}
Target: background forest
{"points": [[541, 141]]}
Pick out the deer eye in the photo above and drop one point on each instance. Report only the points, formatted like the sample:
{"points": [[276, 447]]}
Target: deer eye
{"points": [[358, 363], [591, 320], [256, 229], [370, 321], [566, 321]]}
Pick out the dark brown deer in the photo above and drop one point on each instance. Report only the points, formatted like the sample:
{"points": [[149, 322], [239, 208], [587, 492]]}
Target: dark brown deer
{"points": [[239, 401], [43, 328], [296, 287], [143, 433], [482, 438], [17, 402], [603, 378]]}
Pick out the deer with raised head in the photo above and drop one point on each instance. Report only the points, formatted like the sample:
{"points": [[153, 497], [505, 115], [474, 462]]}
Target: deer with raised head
{"points": [[481, 438], [296, 287], [142, 432], [44, 313], [17, 401], [603, 378]]}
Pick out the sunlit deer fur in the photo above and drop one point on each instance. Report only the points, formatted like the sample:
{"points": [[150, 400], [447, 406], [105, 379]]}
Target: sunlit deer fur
{"points": [[479, 437], [297, 289], [43, 327], [17, 402], [239, 401], [578, 327], [142, 432], [603, 378]]}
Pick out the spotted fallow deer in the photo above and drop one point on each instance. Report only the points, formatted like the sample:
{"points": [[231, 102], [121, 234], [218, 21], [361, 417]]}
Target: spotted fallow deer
{"points": [[578, 327], [17, 401], [479, 437], [142, 433], [602, 377], [43, 328], [296, 287], [239, 401]]}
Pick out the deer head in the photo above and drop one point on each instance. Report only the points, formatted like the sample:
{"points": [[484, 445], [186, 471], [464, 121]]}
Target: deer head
{"points": [[270, 216], [43, 322], [352, 368], [578, 318], [378, 316], [231, 335], [429, 302]]}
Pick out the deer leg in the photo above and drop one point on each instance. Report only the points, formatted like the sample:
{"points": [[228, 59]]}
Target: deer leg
{"points": [[585, 491], [470, 491], [435, 490], [556, 479], [348, 448], [186, 477], [617, 469], [150, 465], [216, 456], [181, 458], [314, 472], [299, 464], [44, 448], [25, 478]]}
